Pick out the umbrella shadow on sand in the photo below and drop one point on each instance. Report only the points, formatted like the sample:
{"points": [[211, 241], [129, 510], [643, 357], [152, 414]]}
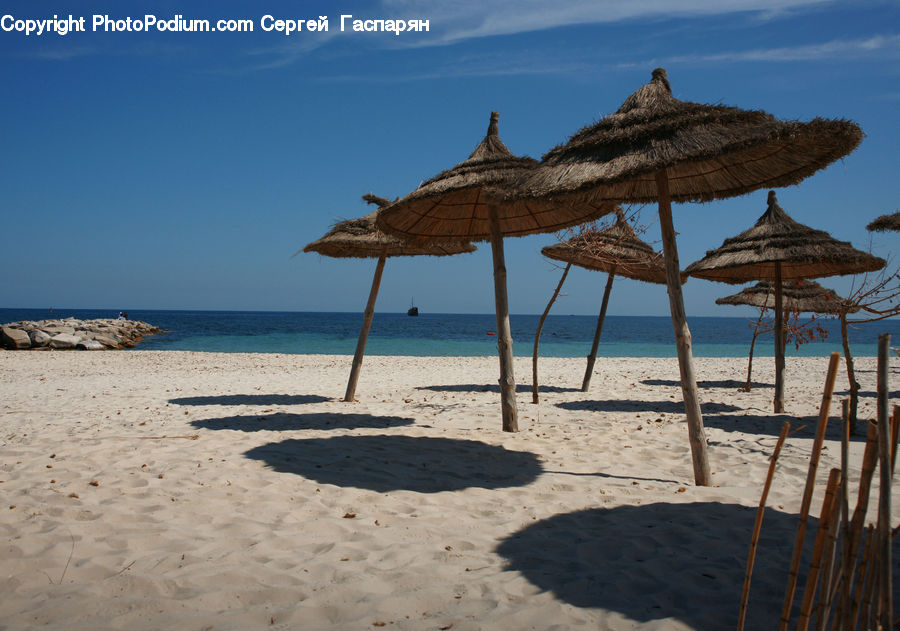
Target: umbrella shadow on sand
{"points": [[391, 463], [281, 422], [251, 399], [478, 387], [770, 425], [661, 561], [720, 383], [657, 407]]}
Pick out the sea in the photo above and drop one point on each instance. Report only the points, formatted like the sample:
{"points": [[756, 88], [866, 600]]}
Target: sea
{"points": [[455, 334]]}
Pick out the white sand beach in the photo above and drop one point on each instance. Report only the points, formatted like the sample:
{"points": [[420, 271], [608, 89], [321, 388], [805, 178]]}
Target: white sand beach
{"points": [[177, 490]]}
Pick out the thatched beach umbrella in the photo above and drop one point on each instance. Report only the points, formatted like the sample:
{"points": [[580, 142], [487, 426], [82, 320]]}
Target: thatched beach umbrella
{"points": [[885, 223], [804, 296], [616, 250], [475, 200], [657, 148], [779, 249], [360, 238]]}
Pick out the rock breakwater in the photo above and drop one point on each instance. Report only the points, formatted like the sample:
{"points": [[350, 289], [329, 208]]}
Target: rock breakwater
{"points": [[70, 333]]}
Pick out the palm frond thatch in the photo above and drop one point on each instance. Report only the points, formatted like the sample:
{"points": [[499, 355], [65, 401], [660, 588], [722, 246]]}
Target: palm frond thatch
{"points": [[710, 151], [455, 204], [361, 238], [885, 223], [616, 249], [804, 296], [803, 252]]}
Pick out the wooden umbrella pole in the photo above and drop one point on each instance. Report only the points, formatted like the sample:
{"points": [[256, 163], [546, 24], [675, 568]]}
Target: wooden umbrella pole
{"points": [[762, 312], [757, 526], [364, 332], [696, 434], [586, 383], [886, 617], [779, 342], [504, 336], [537, 337], [808, 490]]}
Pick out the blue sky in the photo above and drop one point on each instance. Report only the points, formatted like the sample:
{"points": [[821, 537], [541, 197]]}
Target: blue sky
{"points": [[146, 170]]}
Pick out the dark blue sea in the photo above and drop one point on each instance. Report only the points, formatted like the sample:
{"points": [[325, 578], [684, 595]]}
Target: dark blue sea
{"points": [[436, 334]]}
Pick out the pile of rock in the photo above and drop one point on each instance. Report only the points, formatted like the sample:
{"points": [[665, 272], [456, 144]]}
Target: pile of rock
{"points": [[92, 335]]}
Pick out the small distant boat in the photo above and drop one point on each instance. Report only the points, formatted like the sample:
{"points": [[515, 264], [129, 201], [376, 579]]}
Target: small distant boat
{"points": [[413, 309]]}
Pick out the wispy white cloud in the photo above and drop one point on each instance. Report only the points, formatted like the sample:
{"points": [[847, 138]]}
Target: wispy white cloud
{"points": [[841, 50], [452, 22], [573, 62], [484, 65], [65, 53], [285, 54]]}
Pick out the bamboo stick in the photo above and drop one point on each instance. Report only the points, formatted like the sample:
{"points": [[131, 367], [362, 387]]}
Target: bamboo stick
{"points": [[857, 522], [863, 579], [779, 341], [808, 490], [364, 332], [696, 433], [838, 576], [592, 357], [884, 595], [823, 552], [504, 336], [757, 526], [537, 337], [895, 433], [815, 566]]}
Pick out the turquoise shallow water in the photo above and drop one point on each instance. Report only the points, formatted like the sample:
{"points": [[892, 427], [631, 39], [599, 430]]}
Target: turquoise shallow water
{"points": [[456, 334]]}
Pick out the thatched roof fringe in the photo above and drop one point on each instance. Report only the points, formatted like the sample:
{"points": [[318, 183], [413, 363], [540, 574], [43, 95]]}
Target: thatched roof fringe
{"points": [[799, 296], [615, 249], [381, 202], [885, 223], [710, 151], [360, 238], [803, 252], [455, 203]]}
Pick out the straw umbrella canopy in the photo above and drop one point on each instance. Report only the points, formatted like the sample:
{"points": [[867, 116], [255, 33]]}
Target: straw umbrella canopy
{"points": [[805, 296], [885, 223], [657, 148], [801, 296], [360, 238], [616, 250], [476, 200], [779, 249]]}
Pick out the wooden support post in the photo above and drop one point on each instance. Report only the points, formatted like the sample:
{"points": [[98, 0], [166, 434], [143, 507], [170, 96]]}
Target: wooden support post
{"points": [[504, 336], [749, 383], [851, 373], [883, 547], [537, 337], [808, 489], [592, 357], [364, 332], [696, 433], [779, 341]]}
